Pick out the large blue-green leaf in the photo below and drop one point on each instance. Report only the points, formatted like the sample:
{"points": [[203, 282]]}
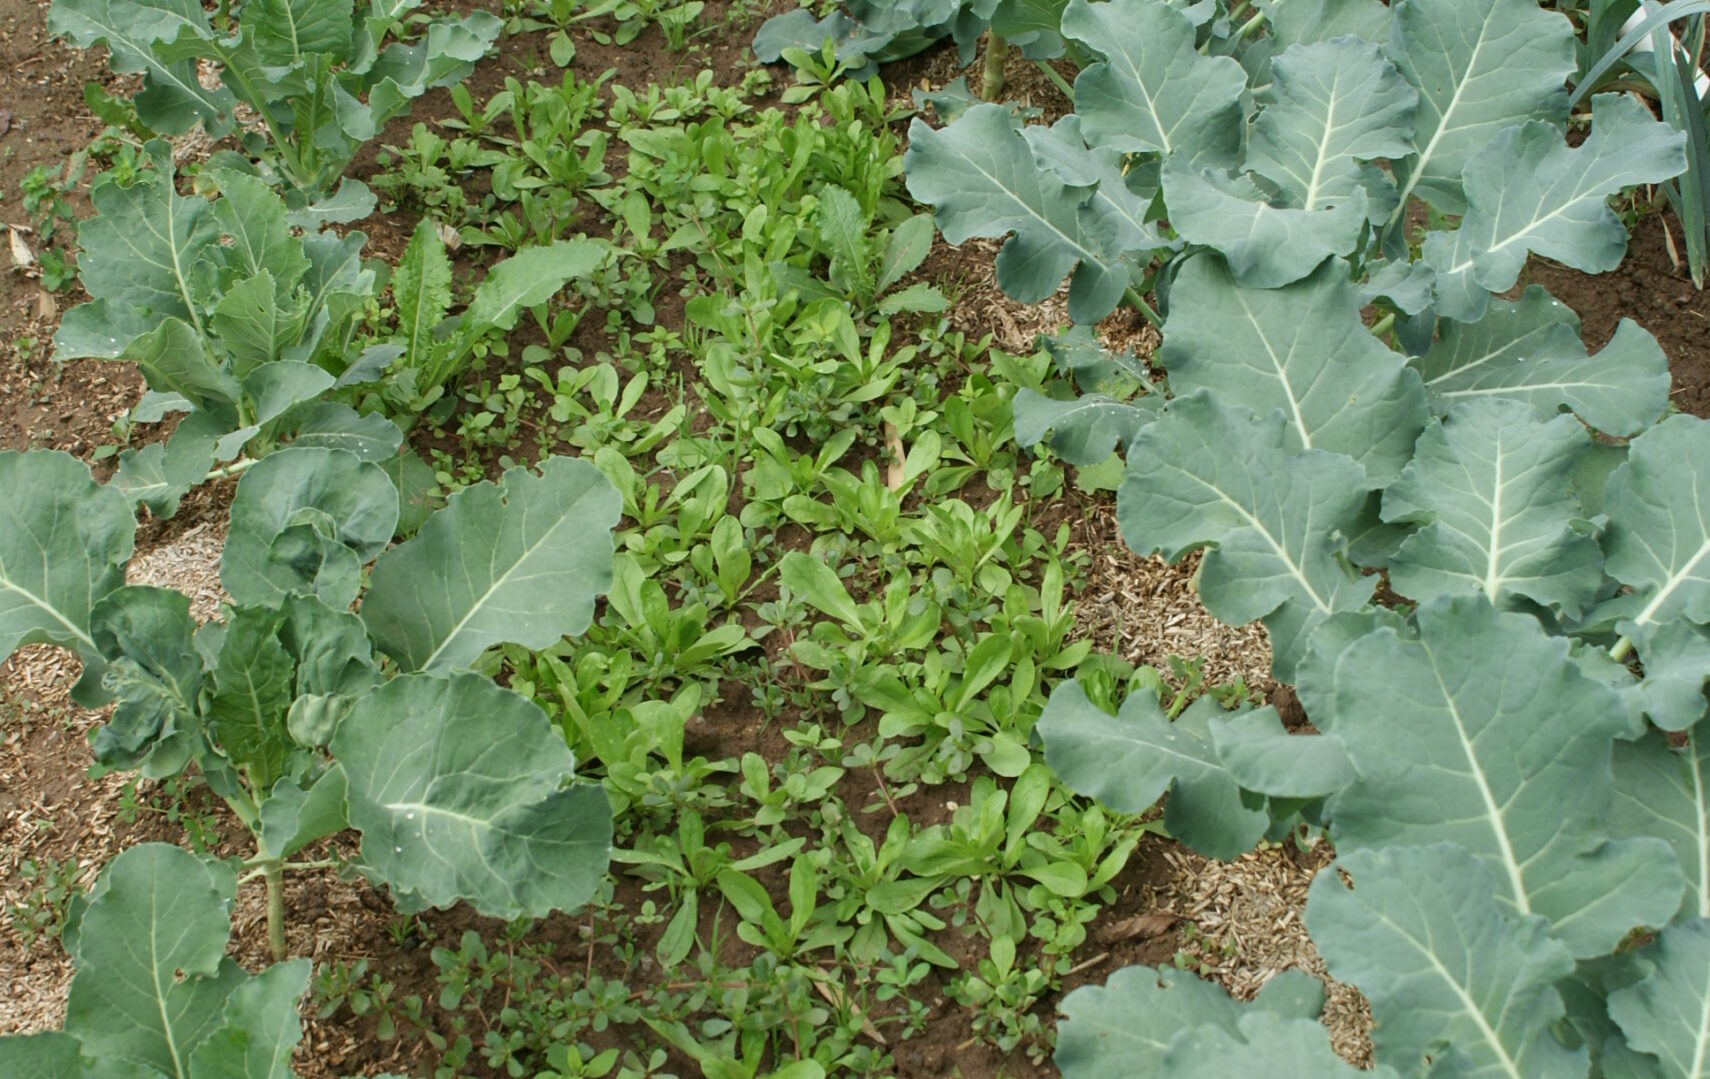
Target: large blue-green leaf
{"points": [[1658, 502], [1082, 431], [1492, 488], [1481, 731], [304, 520], [1128, 761], [982, 179], [459, 789], [1339, 105], [153, 38], [252, 687], [1208, 475], [1530, 349], [1668, 1013], [153, 979], [261, 1027], [519, 561], [1305, 22], [1124, 1028], [1301, 349], [64, 542], [147, 637], [138, 253], [287, 32], [1266, 246], [1452, 976], [1480, 66], [160, 473], [1663, 791], [1528, 191], [1262, 1044], [1154, 92]]}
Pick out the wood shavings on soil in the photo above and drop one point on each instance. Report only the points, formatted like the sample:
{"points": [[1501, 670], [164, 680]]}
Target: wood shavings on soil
{"points": [[49, 811], [1247, 928], [1146, 610]]}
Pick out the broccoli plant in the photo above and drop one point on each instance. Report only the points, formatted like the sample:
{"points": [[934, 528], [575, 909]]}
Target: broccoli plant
{"points": [[320, 76], [1508, 756], [229, 315], [461, 789]]}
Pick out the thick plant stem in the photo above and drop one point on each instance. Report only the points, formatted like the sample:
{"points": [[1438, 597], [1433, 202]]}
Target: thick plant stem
{"points": [[274, 874], [1383, 325], [991, 74]]}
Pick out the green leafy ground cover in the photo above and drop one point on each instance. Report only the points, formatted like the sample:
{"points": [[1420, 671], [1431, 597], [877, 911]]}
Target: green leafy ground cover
{"points": [[670, 428]]}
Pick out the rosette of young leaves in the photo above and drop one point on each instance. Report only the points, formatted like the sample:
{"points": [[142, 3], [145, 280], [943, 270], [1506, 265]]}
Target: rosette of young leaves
{"points": [[519, 561], [984, 178], [305, 521], [1336, 106], [322, 76], [154, 992], [1478, 729], [1528, 191], [64, 542], [1210, 475], [434, 346], [1491, 489], [1147, 1021], [461, 791], [1300, 349], [223, 309], [1451, 974], [1530, 350]]}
